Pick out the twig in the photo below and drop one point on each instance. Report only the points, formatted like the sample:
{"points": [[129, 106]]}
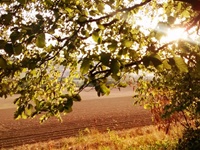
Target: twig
{"points": [[117, 11]]}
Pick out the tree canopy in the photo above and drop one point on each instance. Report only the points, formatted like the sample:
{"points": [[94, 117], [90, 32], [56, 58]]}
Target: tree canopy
{"points": [[93, 40]]}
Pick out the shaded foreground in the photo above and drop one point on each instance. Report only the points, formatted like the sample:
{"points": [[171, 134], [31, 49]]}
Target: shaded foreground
{"points": [[114, 112]]}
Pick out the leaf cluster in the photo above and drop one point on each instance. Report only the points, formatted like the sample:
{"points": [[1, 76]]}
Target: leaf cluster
{"points": [[47, 44]]}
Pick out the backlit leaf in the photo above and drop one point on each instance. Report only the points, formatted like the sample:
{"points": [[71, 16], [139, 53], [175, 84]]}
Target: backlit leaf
{"points": [[95, 36], [166, 65], [186, 13], [82, 19], [100, 7], [104, 89], [127, 43], [23, 115], [40, 40], [147, 106], [85, 66], [112, 46], [180, 63]]}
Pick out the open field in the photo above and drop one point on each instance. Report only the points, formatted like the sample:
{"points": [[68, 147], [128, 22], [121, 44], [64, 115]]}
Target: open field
{"points": [[114, 112], [138, 138]]}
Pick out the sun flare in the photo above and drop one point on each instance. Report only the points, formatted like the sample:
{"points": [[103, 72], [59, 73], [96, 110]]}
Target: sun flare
{"points": [[174, 35]]}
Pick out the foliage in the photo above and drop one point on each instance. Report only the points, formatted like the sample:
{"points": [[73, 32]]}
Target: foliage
{"points": [[190, 140], [173, 97], [41, 41]]}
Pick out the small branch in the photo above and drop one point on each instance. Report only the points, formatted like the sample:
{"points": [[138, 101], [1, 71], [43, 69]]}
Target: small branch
{"points": [[193, 22], [165, 45], [60, 48], [120, 10], [94, 68], [100, 72], [187, 123], [131, 64], [61, 77]]}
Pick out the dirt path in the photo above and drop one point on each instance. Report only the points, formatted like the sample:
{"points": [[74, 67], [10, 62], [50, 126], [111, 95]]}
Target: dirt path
{"points": [[113, 112]]}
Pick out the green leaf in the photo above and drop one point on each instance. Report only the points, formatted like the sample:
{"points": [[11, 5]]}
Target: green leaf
{"points": [[77, 98], [49, 2], [99, 40], [105, 58], [22, 2], [69, 10], [146, 61], [23, 115], [15, 36], [3, 63], [179, 7], [68, 105], [115, 66], [40, 40], [186, 13], [180, 63], [155, 59], [28, 109], [95, 36], [104, 89], [100, 7], [127, 43], [93, 12], [166, 65], [100, 26], [147, 106], [85, 33], [152, 59], [2, 44], [85, 66], [18, 49], [123, 52], [132, 54], [82, 19], [9, 49], [112, 46]]}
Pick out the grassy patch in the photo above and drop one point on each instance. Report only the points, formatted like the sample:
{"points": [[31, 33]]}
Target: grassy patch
{"points": [[145, 138]]}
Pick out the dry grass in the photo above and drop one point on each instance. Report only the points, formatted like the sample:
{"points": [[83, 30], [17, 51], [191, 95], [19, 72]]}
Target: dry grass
{"points": [[90, 139]]}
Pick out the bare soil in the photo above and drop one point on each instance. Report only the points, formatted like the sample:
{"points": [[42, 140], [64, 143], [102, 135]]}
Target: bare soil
{"points": [[114, 112]]}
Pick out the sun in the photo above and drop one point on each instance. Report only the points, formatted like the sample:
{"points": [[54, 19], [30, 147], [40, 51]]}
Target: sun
{"points": [[174, 35]]}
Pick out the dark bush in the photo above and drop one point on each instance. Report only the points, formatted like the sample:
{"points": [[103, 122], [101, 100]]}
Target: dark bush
{"points": [[190, 140]]}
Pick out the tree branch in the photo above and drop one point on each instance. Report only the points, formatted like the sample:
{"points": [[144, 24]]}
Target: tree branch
{"points": [[120, 10]]}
